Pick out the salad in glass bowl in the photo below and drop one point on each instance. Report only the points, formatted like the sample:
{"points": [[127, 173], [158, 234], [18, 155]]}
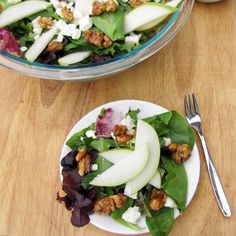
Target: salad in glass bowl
{"points": [[129, 169], [80, 32]]}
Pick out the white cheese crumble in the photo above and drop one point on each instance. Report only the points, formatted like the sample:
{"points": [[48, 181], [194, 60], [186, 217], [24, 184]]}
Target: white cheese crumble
{"points": [[23, 49], [37, 29], [133, 38], [170, 203], [85, 23], [94, 167], [128, 122], [167, 142], [13, 1], [132, 215], [90, 134], [59, 38]]}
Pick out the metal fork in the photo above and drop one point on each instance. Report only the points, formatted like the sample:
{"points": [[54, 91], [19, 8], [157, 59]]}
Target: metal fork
{"points": [[194, 119]]}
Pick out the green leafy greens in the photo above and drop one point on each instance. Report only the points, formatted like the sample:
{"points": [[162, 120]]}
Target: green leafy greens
{"points": [[112, 24], [161, 222], [176, 182]]}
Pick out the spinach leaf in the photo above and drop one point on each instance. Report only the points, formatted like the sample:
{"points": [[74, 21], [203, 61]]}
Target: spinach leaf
{"points": [[161, 222], [176, 182], [112, 24], [103, 165], [102, 144], [117, 214], [79, 140], [174, 126], [49, 12]]}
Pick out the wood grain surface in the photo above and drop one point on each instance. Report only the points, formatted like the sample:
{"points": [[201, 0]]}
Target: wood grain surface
{"points": [[36, 115]]}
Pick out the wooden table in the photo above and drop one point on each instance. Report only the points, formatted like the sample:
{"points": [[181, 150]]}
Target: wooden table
{"points": [[36, 115]]}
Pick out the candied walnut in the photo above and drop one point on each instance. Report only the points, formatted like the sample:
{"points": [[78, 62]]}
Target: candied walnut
{"points": [[98, 8], [54, 46], [120, 129], [107, 42], [87, 163], [95, 38], [67, 14], [104, 206], [157, 200], [81, 154], [181, 152], [45, 22], [173, 147], [123, 138], [111, 6], [136, 3], [119, 200]]}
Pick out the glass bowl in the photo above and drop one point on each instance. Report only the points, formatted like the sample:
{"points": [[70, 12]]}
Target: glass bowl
{"points": [[102, 69]]}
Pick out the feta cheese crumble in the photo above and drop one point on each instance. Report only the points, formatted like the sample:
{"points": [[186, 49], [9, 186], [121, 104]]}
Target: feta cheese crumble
{"points": [[85, 23], [167, 142], [90, 134], [37, 29], [170, 203], [94, 167], [128, 122], [133, 38], [132, 215], [23, 49]]}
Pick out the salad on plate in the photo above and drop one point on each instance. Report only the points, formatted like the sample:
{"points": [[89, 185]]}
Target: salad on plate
{"points": [[129, 169], [74, 32]]}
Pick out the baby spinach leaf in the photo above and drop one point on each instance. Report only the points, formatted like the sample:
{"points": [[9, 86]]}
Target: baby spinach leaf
{"points": [[161, 222], [176, 182], [102, 144], [103, 165], [111, 24], [79, 140], [117, 214], [172, 125]]}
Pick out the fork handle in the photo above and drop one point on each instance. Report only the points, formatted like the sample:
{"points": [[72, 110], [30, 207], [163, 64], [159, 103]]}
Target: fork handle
{"points": [[215, 181]]}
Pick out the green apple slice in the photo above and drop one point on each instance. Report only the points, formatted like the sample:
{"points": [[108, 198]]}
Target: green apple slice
{"points": [[174, 3], [73, 58], [21, 10], [124, 170], [115, 155], [40, 44], [145, 134], [156, 180], [145, 14]]}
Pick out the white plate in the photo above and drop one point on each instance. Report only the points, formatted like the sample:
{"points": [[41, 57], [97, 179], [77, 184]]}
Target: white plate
{"points": [[192, 166]]}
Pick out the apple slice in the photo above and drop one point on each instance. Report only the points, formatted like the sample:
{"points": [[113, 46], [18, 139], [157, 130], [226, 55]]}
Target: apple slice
{"points": [[146, 14], [21, 10], [115, 155], [156, 180], [124, 170], [174, 3], [40, 44], [73, 58], [145, 134]]}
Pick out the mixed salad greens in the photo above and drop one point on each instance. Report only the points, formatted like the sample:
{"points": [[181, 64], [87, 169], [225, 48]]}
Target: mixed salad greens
{"points": [[128, 168], [73, 32]]}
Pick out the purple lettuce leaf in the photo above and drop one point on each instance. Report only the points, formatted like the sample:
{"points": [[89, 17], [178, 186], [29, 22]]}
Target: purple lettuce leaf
{"points": [[106, 122]]}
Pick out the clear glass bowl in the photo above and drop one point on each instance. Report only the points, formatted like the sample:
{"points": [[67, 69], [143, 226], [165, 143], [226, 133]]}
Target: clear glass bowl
{"points": [[103, 69]]}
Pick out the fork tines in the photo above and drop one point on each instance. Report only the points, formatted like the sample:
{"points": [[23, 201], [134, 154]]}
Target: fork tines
{"points": [[190, 105]]}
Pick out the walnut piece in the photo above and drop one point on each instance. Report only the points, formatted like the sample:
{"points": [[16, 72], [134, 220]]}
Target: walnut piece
{"points": [[54, 46], [120, 129], [121, 134], [98, 8], [109, 204], [111, 6], [181, 152], [45, 22], [84, 162], [136, 3], [97, 39], [157, 200], [67, 14], [81, 154]]}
